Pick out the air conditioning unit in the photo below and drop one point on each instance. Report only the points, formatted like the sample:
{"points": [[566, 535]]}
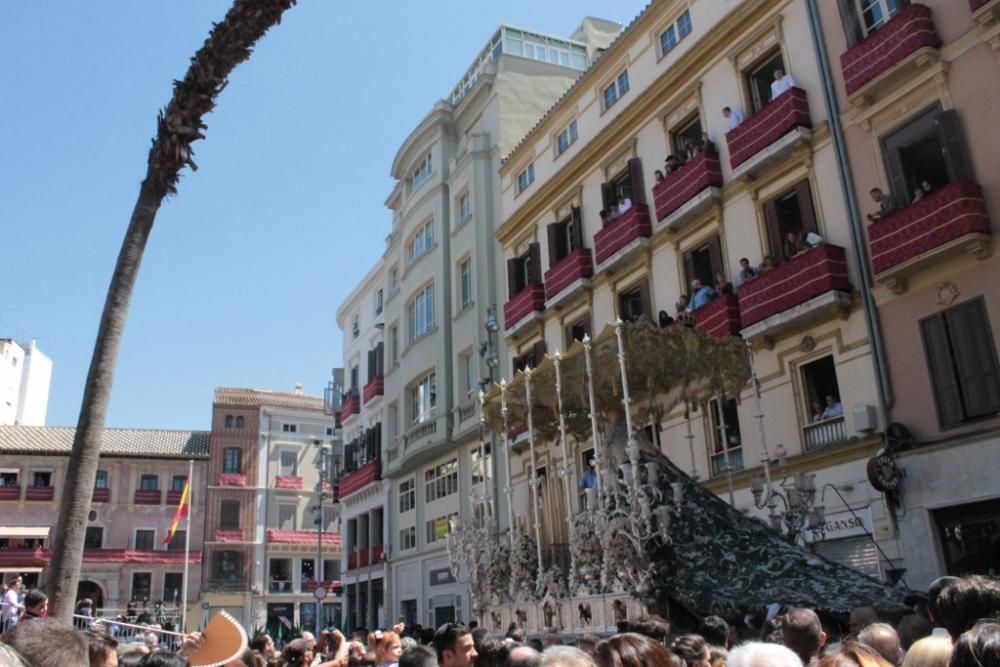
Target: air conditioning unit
{"points": [[864, 419]]}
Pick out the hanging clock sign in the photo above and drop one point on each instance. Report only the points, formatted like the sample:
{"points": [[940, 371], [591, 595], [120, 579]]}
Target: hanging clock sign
{"points": [[884, 474]]}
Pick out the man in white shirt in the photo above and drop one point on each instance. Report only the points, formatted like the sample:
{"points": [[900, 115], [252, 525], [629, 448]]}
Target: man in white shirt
{"points": [[624, 204], [734, 116], [10, 605], [834, 408], [781, 83]]}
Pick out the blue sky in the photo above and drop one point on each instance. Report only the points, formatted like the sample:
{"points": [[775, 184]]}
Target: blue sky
{"points": [[248, 263]]}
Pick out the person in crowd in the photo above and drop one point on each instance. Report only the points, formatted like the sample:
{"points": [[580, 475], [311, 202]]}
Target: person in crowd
{"points": [[691, 150], [565, 656], [853, 654], [387, 647], [418, 656], [722, 286], [882, 638], [11, 607], [886, 204], [707, 145], [834, 408], [102, 649], [793, 245], [624, 204], [605, 217], [657, 175], [297, 653], [535, 643], [673, 163], [979, 646], [630, 649], [768, 264], [717, 656], [492, 653], [587, 643], [746, 272], [263, 644], [682, 304], [802, 632], [663, 319], [36, 604], [515, 633], [962, 603], [454, 646], [929, 652], [692, 649], [652, 626], [84, 613], [912, 628], [49, 643], [524, 656], [861, 617], [782, 83], [762, 654], [164, 659], [700, 295], [734, 117]]}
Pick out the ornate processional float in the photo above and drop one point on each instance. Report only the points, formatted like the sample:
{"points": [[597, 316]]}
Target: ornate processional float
{"points": [[644, 536]]}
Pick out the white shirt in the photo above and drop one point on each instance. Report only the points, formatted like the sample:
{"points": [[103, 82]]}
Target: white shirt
{"points": [[781, 85], [835, 410], [625, 205], [9, 607], [735, 118]]}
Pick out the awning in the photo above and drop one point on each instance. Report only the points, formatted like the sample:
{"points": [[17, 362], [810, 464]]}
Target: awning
{"points": [[25, 532]]}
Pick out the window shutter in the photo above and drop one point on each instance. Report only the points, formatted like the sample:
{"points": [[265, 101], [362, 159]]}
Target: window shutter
{"points": [[975, 358], [371, 364], [773, 230], [897, 175], [715, 256], [953, 148], [806, 211], [576, 230], [635, 175], [944, 381], [553, 235], [538, 353], [608, 195], [688, 272], [535, 255], [378, 440], [644, 301], [851, 22], [380, 358], [511, 278]]}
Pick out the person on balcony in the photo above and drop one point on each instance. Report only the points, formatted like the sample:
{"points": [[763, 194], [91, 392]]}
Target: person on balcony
{"points": [[682, 304], [624, 204], [700, 295], [782, 83], [707, 145], [722, 286], [691, 150], [664, 319], [817, 409], [658, 175], [794, 245], [673, 163], [734, 117], [886, 204], [768, 264], [747, 272], [834, 408]]}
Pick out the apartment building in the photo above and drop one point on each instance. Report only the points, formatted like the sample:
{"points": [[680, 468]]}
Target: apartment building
{"points": [[598, 225], [913, 84], [362, 494], [139, 483], [25, 375], [271, 454]]}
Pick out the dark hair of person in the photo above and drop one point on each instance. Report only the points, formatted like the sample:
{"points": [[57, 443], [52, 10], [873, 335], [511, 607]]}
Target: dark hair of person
{"points": [[418, 656], [715, 630], [99, 644], [259, 642], [48, 642], [447, 636], [295, 652], [801, 631], [251, 658], [853, 654], [34, 598], [654, 627], [478, 636], [536, 644], [131, 658], [934, 591], [690, 648], [426, 636], [912, 628], [631, 650], [966, 601], [162, 659], [979, 647], [492, 652]]}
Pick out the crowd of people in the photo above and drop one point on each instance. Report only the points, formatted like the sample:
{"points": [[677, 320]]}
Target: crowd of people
{"points": [[957, 624]]}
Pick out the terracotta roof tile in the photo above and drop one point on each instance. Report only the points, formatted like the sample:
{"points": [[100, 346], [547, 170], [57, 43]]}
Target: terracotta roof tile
{"points": [[117, 442], [245, 397]]}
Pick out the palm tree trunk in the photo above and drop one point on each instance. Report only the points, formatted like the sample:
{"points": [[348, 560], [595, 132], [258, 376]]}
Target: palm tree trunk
{"points": [[229, 43]]}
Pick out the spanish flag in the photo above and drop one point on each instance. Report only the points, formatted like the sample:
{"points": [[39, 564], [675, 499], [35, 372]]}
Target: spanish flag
{"points": [[181, 513]]}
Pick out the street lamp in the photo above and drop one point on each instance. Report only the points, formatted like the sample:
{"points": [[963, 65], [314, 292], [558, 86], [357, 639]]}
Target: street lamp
{"points": [[323, 468]]}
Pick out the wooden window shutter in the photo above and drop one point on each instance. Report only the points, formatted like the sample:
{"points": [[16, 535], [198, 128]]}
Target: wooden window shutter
{"points": [[688, 271], [975, 358], [851, 22], [380, 358], [635, 175], [511, 278], [371, 365], [944, 380], [807, 213], [538, 353], [773, 229], [608, 195], [953, 148], [715, 255], [553, 237], [535, 257], [576, 229], [378, 440]]}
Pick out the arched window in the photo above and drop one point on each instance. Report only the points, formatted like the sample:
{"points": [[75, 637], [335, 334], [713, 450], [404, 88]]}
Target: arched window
{"points": [[229, 421], [239, 422]]}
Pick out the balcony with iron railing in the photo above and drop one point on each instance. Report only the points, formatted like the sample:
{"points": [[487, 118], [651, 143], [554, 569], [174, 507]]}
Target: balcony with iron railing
{"points": [[351, 405], [824, 433], [781, 125], [39, 493], [622, 238], [148, 497], [374, 388], [174, 497], [719, 317], [523, 308], [10, 492], [685, 193], [288, 482], [895, 50], [232, 479], [568, 276], [719, 461], [358, 479], [949, 221], [101, 495], [228, 535], [811, 286]]}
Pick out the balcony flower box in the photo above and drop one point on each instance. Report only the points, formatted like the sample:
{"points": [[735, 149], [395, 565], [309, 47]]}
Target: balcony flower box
{"points": [[12, 492], [228, 535], [792, 289], [719, 317], [906, 35], [376, 550], [232, 479], [519, 309], [770, 133], [566, 276], [147, 496], [350, 407], [619, 238], [101, 495], [174, 497], [288, 482], [685, 192], [950, 220], [39, 493], [360, 478], [374, 388]]}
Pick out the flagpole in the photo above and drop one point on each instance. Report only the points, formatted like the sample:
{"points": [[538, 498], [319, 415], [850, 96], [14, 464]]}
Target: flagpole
{"points": [[187, 547]]}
